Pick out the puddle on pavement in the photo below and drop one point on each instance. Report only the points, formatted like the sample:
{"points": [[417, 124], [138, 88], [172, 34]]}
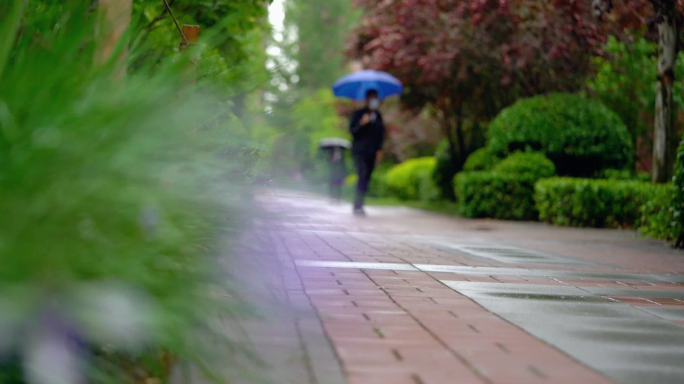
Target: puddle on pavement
{"points": [[625, 343], [539, 297], [355, 265], [483, 229], [507, 254]]}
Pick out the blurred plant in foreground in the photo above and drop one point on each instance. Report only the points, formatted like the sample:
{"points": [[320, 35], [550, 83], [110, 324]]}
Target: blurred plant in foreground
{"points": [[115, 193]]}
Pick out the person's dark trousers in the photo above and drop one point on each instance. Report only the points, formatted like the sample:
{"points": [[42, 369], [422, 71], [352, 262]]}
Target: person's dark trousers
{"points": [[364, 169]]}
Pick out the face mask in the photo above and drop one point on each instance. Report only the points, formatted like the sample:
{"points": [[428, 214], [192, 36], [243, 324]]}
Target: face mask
{"points": [[374, 104]]}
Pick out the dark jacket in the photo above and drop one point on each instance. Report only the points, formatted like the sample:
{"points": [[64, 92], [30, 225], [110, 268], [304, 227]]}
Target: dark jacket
{"points": [[367, 139]]}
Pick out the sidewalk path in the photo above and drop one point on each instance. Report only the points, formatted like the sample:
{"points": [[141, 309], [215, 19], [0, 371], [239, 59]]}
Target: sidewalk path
{"points": [[406, 296]]}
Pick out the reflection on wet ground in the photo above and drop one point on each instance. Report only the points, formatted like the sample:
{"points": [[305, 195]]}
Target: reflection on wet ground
{"points": [[628, 344]]}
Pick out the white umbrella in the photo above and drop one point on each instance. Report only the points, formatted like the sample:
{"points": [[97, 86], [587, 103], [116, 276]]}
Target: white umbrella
{"points": [[335, 142]]}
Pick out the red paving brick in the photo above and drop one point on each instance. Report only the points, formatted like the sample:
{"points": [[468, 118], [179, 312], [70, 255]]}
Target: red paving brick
{"points": [[407, 327]]}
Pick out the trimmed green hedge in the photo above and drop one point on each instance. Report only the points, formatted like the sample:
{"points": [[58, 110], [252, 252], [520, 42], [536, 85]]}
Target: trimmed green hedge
{"points": [[658, 218], [590, 202], [507, 192], [481, 160], [533, 164], [622, 174], [497, 195], [580, 136], [404, 180]]}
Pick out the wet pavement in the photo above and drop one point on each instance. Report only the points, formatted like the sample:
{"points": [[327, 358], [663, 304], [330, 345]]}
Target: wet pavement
{"points": [[406, 296]]}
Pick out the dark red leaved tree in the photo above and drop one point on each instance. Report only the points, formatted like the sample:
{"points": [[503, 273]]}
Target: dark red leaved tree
{"points": [[468, 59]]}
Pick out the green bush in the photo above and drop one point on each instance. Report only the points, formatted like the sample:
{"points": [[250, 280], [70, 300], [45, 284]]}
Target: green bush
{"points": [[350, 184], [533, 164], [678, 197], [497, 195], [580, 136], [116, 193], [427, 188], [507, 191], [622, 174], [377, 187], [404, 180], [481, 160], [444, 172], [590, 202], [378, 184], [657, 214]]}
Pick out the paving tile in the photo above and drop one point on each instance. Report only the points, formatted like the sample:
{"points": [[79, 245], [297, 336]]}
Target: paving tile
{"points": [[377, 287]]}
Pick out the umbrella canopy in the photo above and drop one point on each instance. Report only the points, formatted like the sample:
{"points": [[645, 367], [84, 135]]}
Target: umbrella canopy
{"points": [[354, 86], [335, 142]]}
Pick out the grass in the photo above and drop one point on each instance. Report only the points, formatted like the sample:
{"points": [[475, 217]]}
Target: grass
{"points": [[443, 207]]}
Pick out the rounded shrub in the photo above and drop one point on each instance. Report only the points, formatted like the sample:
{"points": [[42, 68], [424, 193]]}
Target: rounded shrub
{"points": [[580, 136], [481, 160], [404, 180], [531, 163]]}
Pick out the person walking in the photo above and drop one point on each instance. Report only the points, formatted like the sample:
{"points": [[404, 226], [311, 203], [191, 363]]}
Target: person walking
{"points": [[368, 133], [335, 156]]}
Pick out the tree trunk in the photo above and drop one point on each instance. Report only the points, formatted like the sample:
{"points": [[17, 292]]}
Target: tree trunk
{"points": [[459, 132], [114, 18], [667, 54]]}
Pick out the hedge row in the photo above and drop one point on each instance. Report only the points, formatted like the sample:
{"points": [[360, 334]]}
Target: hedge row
{"points": [[520, 188], [592, 203], [497, 195], [506, 192]]}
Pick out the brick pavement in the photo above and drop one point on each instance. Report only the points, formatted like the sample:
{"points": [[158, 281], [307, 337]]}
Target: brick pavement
{"points": [[392, 318]]}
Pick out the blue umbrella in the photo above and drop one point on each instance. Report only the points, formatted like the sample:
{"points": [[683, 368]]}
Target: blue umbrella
{"points": [[355, 85]]}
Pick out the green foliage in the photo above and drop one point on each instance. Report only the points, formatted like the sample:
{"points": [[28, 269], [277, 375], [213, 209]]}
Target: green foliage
{"points": [[228, 24], [505, 192], [625, 82], [428, 191], [350, 184], [580, 136], [114, 179], [678, 196], [315, 117], [591, 203], [626, 79], [296, 147], [404, 180], [481, 160], [622, 174], [321, 27], [378, 184], [444, 172], [533, 164], [498, 195], [658, 218]]}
